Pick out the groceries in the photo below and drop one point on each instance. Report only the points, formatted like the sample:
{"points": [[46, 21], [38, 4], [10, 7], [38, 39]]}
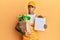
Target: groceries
{"points": [[24, 24]]}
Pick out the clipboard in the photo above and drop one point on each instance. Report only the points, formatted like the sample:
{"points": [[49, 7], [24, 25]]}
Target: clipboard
{"points": [[39, 24]]}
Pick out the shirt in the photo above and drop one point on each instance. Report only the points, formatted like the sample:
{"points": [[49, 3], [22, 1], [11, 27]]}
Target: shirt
{"points": [[32, 16]]}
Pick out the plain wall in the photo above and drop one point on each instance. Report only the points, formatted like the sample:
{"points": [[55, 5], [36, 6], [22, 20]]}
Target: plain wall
{"points": [[9, 9]]}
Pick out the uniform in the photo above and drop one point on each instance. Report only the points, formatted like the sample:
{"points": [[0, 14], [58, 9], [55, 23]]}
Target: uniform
{"points": [[34, 34]]}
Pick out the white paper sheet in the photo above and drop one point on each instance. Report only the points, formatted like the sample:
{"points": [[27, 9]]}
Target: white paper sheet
{"points": [[39, 24]]}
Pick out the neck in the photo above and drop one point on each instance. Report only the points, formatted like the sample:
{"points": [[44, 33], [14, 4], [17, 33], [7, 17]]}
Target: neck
{"points": [[31, 12]]}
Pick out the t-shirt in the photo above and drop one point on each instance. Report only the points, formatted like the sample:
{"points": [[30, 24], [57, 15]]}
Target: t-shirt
{"points": [[32, 18]]}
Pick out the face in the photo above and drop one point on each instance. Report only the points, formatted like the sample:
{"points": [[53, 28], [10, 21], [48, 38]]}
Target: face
{"points": [[31, 9]]}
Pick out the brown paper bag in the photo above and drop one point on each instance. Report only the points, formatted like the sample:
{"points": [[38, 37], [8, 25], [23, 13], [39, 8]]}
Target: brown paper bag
{"points": [[25, 26]]}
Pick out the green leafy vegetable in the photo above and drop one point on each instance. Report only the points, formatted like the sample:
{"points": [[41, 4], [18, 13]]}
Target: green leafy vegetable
{"points": [[23, 17]]}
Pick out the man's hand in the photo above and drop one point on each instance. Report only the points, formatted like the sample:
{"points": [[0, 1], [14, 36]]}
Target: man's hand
{"points": [[45, 26]]}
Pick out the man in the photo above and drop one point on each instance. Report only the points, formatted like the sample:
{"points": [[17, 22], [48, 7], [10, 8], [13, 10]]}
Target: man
{"points": [[34, 34]]}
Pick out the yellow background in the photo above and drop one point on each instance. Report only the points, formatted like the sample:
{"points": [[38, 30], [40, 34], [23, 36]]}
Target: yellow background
{"points": [[9, 9]]}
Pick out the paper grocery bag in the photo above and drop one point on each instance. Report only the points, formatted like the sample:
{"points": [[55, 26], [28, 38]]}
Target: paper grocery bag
{"points": [[39, 24], [22, 25], [25, 26]]}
